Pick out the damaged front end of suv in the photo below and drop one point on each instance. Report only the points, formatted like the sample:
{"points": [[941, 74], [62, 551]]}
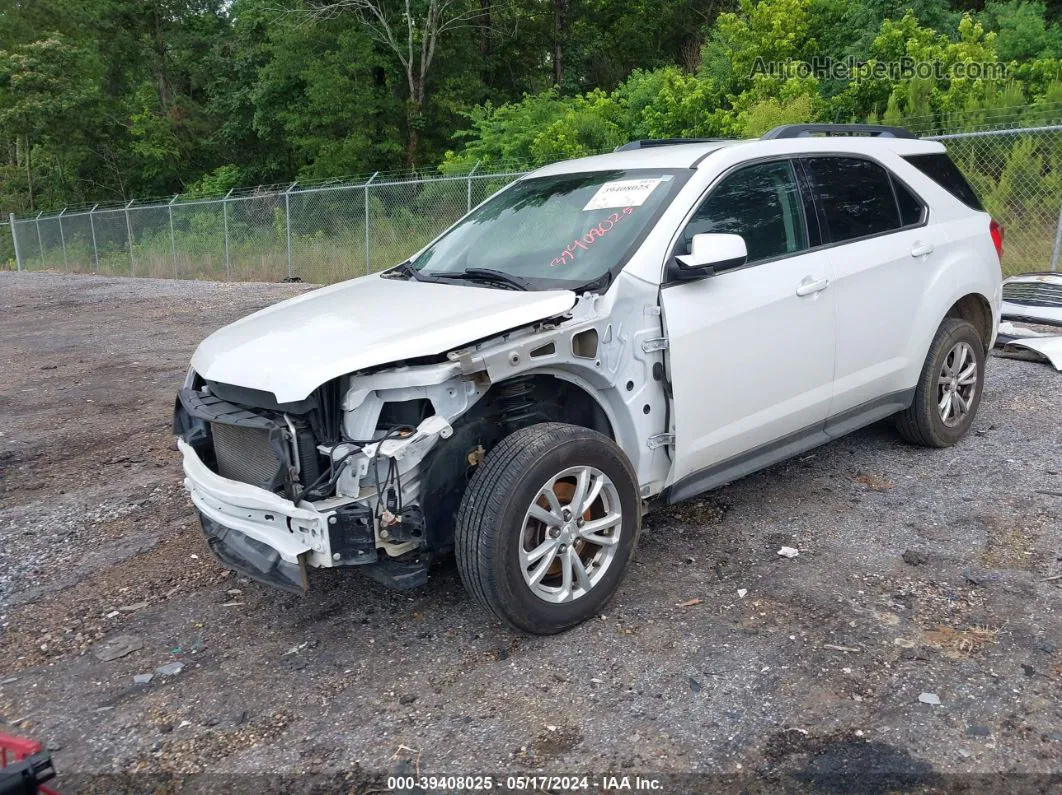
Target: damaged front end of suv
{"points": [[331, 480], [356, 425], [369, 469]]}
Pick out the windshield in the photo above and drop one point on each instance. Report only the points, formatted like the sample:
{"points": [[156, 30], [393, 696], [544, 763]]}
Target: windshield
{"points": [[562, 231]]}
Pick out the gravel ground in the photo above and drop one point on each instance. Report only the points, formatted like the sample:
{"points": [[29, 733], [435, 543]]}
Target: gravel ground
{"points": [[920, 572]]}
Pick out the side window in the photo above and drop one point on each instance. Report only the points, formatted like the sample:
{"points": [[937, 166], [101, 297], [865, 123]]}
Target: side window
{"points": [[762, 204], [911, 208], [940, 168], [855, 195]]}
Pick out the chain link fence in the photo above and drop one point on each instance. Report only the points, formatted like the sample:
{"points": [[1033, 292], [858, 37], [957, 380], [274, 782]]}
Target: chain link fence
{"points": [[1018, 175], [7, 247], [319, 234], [329, 233]]}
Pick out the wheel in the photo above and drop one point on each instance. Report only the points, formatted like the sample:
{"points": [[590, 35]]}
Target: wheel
{"points": [[949, 389], [547, 525]]}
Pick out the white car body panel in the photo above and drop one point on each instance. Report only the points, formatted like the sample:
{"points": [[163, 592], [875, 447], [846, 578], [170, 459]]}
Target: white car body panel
{"points": [[750, 360], [879, 288], [293, 347], [1050, 347]]}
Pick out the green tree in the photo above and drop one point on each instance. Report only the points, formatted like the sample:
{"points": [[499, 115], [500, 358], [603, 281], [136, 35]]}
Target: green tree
{"points": [[45, 86]]}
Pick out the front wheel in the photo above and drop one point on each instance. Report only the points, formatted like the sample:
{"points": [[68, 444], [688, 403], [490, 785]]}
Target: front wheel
{"points": [[949, 388], [547, 525]]}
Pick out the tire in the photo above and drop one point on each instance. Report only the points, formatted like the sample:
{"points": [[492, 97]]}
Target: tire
{"points": [[495, 524], [927, 422]]}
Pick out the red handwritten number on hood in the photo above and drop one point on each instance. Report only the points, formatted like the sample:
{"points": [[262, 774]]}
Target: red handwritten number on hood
{"points": [[586, 241]]}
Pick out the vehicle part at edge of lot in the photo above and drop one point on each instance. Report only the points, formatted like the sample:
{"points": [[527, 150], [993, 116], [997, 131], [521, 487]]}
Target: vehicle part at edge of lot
{"points": [[1032, 298]]}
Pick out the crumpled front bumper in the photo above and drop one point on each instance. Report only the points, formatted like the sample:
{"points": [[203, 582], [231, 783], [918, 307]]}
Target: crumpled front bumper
{"points": [[255, 531], [254, 558]]}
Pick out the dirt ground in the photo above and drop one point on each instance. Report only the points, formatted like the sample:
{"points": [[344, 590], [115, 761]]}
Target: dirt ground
{"points": [[920, 573]]}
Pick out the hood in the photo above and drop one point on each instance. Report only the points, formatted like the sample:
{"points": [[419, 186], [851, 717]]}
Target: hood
{"points": [[293, 347]]}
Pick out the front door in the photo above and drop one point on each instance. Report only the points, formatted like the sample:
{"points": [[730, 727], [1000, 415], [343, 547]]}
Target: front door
{"points": [[751, 350]]}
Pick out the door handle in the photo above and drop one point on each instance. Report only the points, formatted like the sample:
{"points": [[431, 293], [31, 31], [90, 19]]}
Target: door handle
{"points": [[810, 286], [921, 249]]}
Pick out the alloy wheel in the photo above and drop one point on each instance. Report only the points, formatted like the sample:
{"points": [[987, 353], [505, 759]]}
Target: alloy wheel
{"points": [[957, 384], [570, 534]]}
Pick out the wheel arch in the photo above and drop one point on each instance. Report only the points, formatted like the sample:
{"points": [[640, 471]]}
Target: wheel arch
{"points": [[508, 405], [976, 310]]}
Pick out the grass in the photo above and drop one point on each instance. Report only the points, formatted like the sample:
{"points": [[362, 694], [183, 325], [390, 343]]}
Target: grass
{"points": [[321, 259], [315, 258]]}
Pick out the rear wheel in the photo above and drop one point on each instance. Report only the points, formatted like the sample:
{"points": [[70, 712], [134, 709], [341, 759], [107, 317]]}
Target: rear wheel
{"points": [[949, 389], [547, 525]]}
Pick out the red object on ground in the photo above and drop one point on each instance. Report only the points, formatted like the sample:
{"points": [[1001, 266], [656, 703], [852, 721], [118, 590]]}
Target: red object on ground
{"points": [[15, 749]]}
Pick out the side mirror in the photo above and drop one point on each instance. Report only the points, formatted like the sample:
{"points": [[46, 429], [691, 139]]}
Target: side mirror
{"points": [[711, 252]]}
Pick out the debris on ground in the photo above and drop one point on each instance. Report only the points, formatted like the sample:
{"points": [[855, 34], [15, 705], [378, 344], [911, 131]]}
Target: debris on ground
{"points": [[1032, 298], [1008, 332], [689, 603], [929, 698], [1042, 348], [118, 646], [788, 552], [170, 669], [143, 679], [874, 483]]}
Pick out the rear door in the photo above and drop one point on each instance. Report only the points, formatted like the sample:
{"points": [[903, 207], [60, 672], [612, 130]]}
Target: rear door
{"points": [[750, 349], [883, 257]]}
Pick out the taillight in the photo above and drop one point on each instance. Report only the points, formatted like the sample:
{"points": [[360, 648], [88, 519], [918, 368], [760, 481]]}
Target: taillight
{"points": [[996, 230]]}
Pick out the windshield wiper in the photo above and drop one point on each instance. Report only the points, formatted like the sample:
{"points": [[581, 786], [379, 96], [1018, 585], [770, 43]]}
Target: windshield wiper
{"points": [[488, 275], [405, 269], [600, 284]]}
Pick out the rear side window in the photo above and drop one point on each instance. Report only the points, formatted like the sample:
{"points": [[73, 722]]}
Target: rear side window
{"points": [[939, 168], [856, 197], [911, 209]]}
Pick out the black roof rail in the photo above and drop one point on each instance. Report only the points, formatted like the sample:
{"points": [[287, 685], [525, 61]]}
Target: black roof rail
{"points": [[808, 130], [651, 142]]}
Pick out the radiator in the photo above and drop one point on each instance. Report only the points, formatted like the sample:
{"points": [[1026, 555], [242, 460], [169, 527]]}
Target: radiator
{"points": [[244, 454]]}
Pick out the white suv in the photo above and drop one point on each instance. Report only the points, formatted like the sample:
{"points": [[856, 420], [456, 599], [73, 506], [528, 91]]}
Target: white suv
{"points": [[603, 335]]}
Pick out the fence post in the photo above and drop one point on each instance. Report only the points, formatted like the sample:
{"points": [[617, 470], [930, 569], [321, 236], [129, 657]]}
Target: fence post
{"points": [[62, 237], [225, 220], [14, 242], [287, 220], [1058, 242], [95, 248], [40, 242], [470, 173], [374, 175], [173, 239], [129, 238]]}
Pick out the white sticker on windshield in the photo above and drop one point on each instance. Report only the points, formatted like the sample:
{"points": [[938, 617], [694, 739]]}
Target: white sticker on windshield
{"points": [[622, 193]]}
